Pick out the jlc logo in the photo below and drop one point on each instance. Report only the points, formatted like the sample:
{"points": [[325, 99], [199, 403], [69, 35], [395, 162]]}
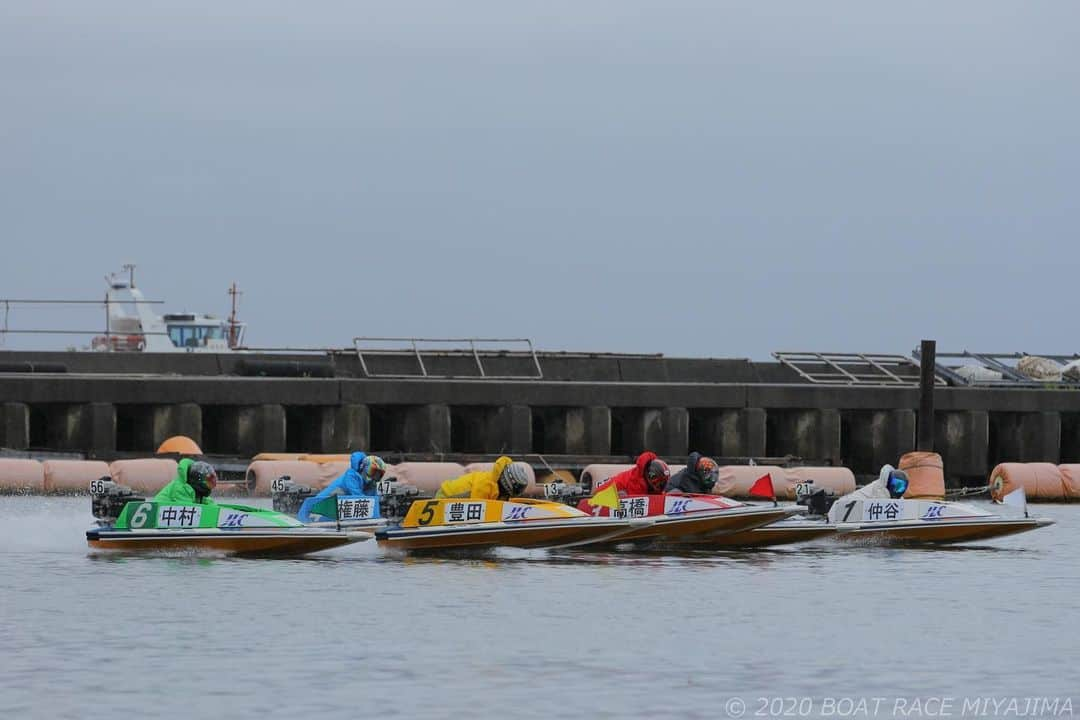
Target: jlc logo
{"points": [[517, 513], [234, 520], [678, 506], [933, 512]]}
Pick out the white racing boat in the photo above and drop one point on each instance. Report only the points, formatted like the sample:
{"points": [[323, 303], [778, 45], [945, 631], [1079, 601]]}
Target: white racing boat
{"points": [[923, 521], [871, 514]]}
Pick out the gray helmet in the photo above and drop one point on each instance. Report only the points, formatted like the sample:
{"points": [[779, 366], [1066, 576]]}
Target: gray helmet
{"points": [[514, 479]]}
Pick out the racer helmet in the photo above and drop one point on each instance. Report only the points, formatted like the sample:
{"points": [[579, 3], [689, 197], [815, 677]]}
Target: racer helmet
{"points": [[373, 468], [656, 475], [513, 479], [708, 471], [897, 484], [202, 477]]}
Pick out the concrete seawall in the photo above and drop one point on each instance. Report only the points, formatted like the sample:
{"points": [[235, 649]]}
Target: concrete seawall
{"points": [[601, 406]]}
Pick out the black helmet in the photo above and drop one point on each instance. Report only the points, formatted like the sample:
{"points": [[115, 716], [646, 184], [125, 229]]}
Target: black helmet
{"points": [[708, 471], [202, 477], [657, 474]]}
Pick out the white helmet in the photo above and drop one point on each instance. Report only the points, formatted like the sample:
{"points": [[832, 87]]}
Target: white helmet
{"points": [[514, 479]]}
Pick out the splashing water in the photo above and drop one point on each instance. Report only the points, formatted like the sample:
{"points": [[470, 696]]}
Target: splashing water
{"points": [[45, 524]]}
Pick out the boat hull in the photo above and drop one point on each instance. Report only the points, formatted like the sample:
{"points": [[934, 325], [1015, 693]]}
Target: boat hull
{"points": [[701, 527], [937, 532], [779, 533], [534, 534], [264, 542]]}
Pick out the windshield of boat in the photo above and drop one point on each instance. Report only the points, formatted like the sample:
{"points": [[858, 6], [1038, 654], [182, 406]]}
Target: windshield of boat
{"points": [[195, 335]]}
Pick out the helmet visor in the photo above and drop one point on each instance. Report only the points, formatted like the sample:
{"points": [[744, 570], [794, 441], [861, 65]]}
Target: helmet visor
{"points": [[897, 485], [657, 474]]}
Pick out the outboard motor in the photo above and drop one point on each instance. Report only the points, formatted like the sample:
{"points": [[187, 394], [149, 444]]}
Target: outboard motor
{"points": [[395, 499], [288, 496], [816, 502], [564, 492], [107, 499]]}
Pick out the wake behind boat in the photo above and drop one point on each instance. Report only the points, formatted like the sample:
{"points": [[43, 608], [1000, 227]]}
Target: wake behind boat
{"points": [[132, 524]]}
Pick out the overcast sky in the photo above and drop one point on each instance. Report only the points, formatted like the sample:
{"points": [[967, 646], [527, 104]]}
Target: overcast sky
{"points": [[694, 178]]}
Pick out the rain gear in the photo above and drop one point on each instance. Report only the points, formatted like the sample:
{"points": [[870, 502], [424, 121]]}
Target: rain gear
{"points": [[632, 481], [877, 490], [689, 479], [480, 485], [178, 491], [352, 482]]}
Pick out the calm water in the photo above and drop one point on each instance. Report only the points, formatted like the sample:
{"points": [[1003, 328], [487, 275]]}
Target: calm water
{"points": [[353, 632]]}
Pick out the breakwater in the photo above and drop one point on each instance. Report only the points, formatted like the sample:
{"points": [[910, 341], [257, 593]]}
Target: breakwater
{"points": [[588, 407]]}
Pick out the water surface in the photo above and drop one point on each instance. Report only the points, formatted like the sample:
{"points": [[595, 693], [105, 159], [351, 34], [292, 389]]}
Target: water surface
{"points": [[355, 632]]}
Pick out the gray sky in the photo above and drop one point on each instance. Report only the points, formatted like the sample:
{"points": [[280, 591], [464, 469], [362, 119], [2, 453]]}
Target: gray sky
{"points": [[694, 178]]}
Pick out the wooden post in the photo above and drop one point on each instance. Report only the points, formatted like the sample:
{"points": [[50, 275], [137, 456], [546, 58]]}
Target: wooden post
{"points": [[927, 362]]}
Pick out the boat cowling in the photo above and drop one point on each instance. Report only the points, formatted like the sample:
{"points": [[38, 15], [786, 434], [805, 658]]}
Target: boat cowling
{"points": [[638, 506], [861, 510], [149, 515], [455, 511]]}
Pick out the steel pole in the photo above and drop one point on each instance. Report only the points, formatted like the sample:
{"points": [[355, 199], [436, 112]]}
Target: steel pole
{"points": [[927, 363]]}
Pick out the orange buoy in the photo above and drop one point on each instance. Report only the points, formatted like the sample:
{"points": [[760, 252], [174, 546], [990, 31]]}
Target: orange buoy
{"points": [[1041, 481], [1070, 479], [926, 475], [143, 475], [180, 445], [72, 476]]}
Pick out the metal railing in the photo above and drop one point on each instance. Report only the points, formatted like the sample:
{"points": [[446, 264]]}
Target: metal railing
{"points": [[834, 368], [7, 303], [413, 344]]}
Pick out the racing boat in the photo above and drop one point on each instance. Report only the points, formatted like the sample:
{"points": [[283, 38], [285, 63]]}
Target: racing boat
{"points": [[808, 523], [896, 520], [790, 530], [132, 524], [872, 515], [352, 512], [687, 520], [450, 524]]}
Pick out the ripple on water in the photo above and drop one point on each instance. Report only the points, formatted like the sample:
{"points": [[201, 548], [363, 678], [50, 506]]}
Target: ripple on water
{"points": [[537, 634]]}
